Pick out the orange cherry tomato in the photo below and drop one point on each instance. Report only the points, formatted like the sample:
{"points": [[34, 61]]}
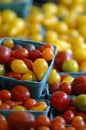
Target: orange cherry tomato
{"points": [[5, 95], [4, 106], [42, 120], [30, 103], [47, 54]]}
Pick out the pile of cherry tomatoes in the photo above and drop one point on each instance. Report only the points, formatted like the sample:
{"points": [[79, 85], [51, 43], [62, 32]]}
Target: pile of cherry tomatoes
{"points": [[23, 62], [27, 121]]}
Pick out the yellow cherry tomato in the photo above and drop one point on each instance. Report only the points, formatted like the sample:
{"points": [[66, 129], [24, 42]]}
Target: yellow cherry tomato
{"points": [[19, 108], [54, 77], [20, 67], [40, 67]]}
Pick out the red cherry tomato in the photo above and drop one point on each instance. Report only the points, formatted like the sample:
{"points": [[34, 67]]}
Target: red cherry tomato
{"points": [[3, 123], [65, 87], [5, 95], [59, 100], [13, 75], [41, 48], [30, 47], [59, 119], [34, 54], [20, 93], [4, 106], [42, 120], [68, 116], [5, 54], [53, 87], [13, 103], [21, 120], [20, 53], [29, 63], [30, 103]]}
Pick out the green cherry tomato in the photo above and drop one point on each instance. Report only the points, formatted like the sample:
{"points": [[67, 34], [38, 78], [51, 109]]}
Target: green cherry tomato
{"points": [[70, 65], [2, 70]]}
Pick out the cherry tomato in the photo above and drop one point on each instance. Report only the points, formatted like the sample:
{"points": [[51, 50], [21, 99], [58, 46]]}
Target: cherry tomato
{"points": [[59, 126], [65, 87], [30, 47], [59, 119], [18, 108], [8, 43], [20, 93], [41, 48], [4, 106], [3, 123], [2, 70], [54, 77], [42, 63], [30, 103], [47, 54], [13, 75], [21, 120], [53, 87], [13, 103], [5, 54], [18, 66], [64, 76], [17, 46], [5, 95], [27, 76], [78, 122], [78, 85], [35, 54], [42, 120], [59, 100], [29, 63], [40, 106], [2, 118], [68, 116], [70, 65], [20, 53]]}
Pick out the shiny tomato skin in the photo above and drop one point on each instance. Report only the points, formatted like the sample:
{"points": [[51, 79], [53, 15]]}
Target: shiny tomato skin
{"points": [[5, 95], [53, 87], [21, 120], [20, 53], [59, 100], [35, 54], [68, 116], [20, 93], [4, 106], [65, 87], [5, 54], [79, 85], [4, 123], [29, 63]]}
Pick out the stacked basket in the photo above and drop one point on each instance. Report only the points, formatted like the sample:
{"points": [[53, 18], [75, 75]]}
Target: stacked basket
{"points": [[36, 87], [20, 7]]}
